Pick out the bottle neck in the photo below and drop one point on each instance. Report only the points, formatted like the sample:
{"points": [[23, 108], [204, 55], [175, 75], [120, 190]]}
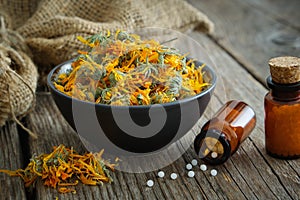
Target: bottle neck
{"points": [[284, 92], [285, 96], [212, 141]]}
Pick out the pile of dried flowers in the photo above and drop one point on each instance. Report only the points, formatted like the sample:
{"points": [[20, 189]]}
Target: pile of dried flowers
{"points": [[122, 69], [63, 168]]}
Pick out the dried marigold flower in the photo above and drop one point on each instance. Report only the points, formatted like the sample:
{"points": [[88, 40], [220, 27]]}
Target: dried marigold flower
{"points": [[63, 166], [122, 69]]}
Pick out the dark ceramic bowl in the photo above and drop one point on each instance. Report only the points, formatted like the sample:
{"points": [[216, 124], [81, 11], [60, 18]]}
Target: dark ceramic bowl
{"points": [[136, 129]]}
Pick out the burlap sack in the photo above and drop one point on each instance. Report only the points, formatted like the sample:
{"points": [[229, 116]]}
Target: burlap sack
{"points": [[50, 29], [18, 77]]}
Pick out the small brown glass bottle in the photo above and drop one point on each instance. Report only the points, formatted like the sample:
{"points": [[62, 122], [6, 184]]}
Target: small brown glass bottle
{"points": [[282, 108], [221, 136]]}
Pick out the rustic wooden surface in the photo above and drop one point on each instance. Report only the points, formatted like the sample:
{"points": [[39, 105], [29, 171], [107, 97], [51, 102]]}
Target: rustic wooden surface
{"points": [[247, 34], [253, 31], [11, 158]]}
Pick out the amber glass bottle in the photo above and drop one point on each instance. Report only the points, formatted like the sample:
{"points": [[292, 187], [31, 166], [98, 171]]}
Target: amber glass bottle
{"points": [[221, 136], [282, 108]]}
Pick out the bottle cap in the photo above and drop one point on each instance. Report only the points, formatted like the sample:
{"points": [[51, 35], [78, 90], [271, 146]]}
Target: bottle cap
{"points": [[209, 142], [285, 70]]}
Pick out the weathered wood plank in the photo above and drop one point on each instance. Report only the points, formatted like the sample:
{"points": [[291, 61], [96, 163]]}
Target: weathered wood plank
{"points": [[11, 159], [54, 130], [271, 172], [132, 185], [247, 88], [249, 174], [250, 35], [285, 11], [212, 187], [230, 184], [240, 169], [215, 187]]}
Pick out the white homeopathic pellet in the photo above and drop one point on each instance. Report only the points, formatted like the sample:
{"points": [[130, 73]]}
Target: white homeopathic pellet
{"points": [[214, 154], [173, 176], [194, 162], [213, 172], [161, 174], [191, 174], [150, 183], [189, 166], [203, 167]]}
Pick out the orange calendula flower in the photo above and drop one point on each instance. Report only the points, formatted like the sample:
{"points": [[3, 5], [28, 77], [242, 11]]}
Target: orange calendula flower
{"points": [[123, 69]]}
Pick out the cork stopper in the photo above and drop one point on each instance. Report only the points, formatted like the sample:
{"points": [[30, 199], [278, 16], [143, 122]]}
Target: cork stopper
{"points": [[285, 70]]}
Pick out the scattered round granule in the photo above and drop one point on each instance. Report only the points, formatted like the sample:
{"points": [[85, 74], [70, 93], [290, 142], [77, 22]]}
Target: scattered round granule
{"points": [[214, 154], [191, 174], [161, 174], [189, 166], [194, 162], [203, 167], [173, 176], [150, 183], [213, 172]]}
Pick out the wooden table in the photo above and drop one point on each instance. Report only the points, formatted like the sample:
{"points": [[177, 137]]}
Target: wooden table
{"points": [[247, 34]]}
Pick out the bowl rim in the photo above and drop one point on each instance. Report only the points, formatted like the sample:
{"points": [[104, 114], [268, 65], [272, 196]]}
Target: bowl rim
{"points": [[168, 104]]}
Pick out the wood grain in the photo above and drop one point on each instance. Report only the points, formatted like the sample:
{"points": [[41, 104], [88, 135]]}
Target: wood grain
{"points": [[247, 35], [249, 174], [54, 130], [10, 159], [250, 35], [285, 11], [267, 169]]}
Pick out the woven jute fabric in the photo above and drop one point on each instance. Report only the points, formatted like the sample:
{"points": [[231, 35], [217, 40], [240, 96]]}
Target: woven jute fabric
{"points": [[18, 77], [50, 29]]}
